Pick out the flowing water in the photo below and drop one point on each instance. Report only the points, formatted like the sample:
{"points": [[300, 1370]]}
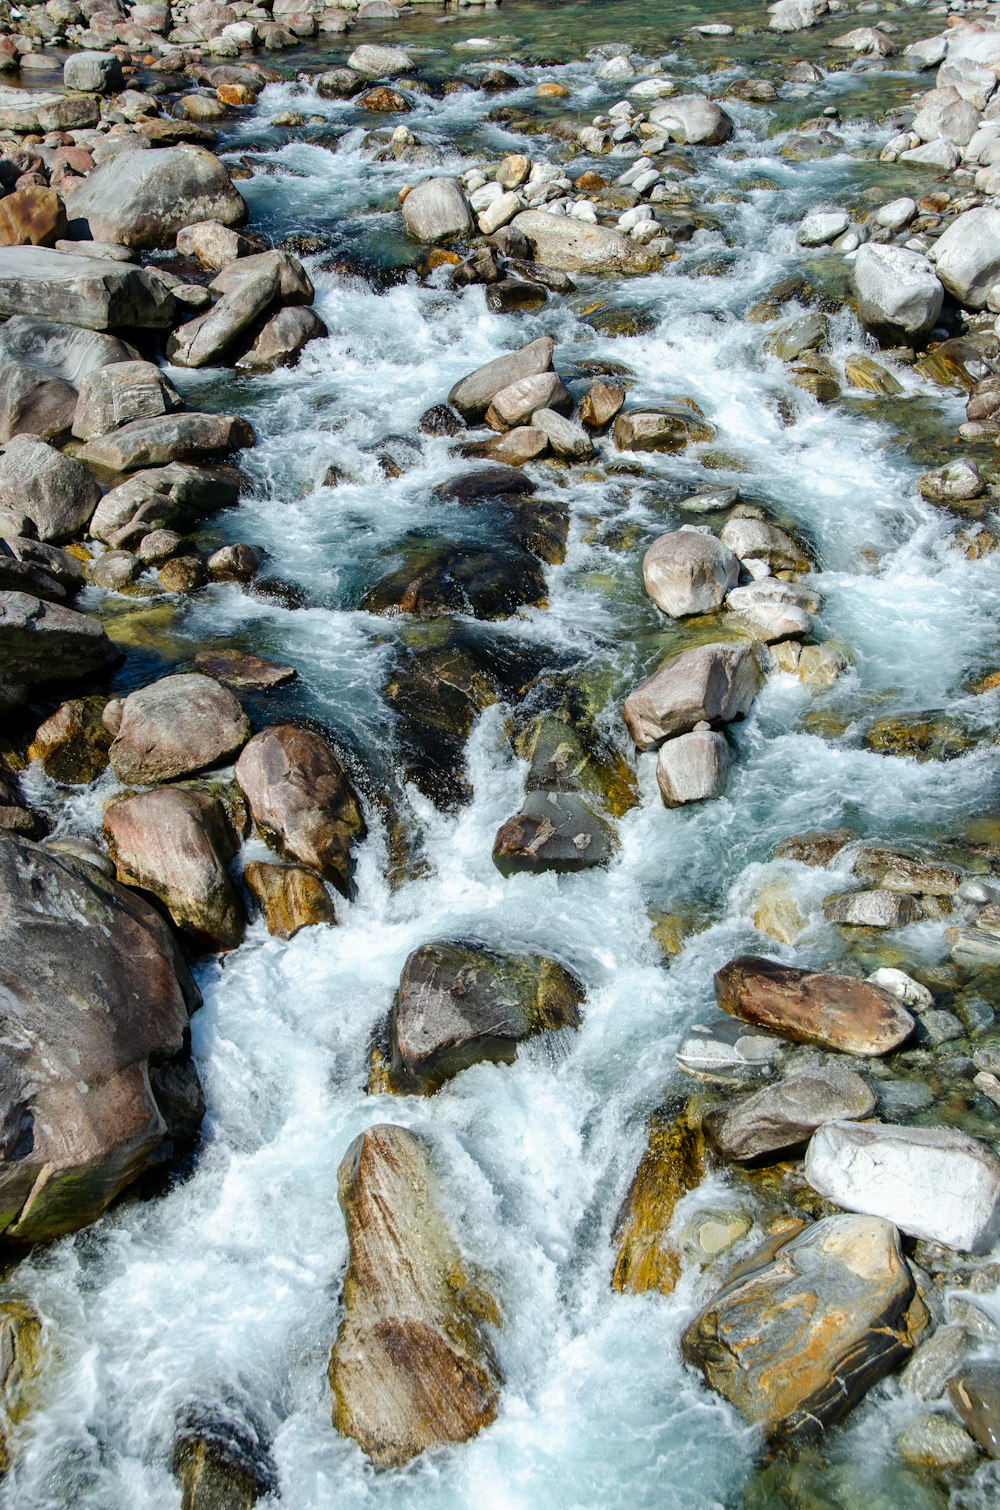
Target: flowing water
{"points": [[226, 1285]]}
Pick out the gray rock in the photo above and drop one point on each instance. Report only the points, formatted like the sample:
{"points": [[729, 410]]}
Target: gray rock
{"points": [[114, 396], [938, 1443], [897, 292], [822, 227], [158, 498], [142, 199], [934, 1362], [724, 1051], [975, 1394], [294, 285], [955, 482], [782, 1116], [376, 61], [757, 540], [31, 404], [937, 154], [565, 437], [687, 571], [967, 256], [44, 642], [557, 831], [473, 394], [87, 291], [97, 1076], [51, 349], [205, 340], [165, 439], [282, 340], [175, 727], [574, 246], [897, 214], [93, 73], [693, 767], [693, 119], [436, 210], [57, 493], [933, 1182], [772, 610], [711, 683], [872, 909], [27, 110], [515, 404], [214, 245], [114, 570]]}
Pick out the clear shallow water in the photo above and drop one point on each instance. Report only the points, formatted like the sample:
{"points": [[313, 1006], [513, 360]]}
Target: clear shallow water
{"points": [[227, 1285]]}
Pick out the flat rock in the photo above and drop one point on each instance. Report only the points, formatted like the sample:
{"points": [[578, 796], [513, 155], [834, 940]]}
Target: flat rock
{"points": [[167, 438], [687, 571], [239, 669], [27, 110], [836, 1011], [412, 1365], [557, 831], [175, 727], [88, 291], [573, 246], [44, 642], [782, 1116], [803, 1329], [933, 1182], [714, 684], [473, 394], [142, 199], [290, 897], [115, 395]]}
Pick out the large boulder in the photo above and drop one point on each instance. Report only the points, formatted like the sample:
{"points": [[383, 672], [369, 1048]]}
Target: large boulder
{"points": [[805, 1328], [378, 61], [576, 247], [57, 493], [967, 256], [436, 210], [780, 1117], [166, 438], [112, 396], [412, 1365], [97, 1083], [897, 293], [170, 497], [473, 394], [178, 845], [52, 349], [27, 110], [836, 1011], [89, 291], [206, 339], [293, 284], [693, 119], [282, 339], [461, 1003], [933, 1182], [93, 73], [302, 801], [175, 727], [688, 571], [142, 199], [712, 684], [43, 642], [759, 540]]}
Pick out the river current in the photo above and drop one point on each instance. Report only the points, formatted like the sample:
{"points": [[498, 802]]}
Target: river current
{"points": [[226, 1284]]}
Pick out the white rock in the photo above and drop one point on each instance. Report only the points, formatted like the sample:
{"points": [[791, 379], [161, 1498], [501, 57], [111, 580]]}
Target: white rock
{"points": [[652, 89], [615, 71], [822, 227], [967, 256], [940, 154], [932, 1182], [897, 291], [500, 211], [628, 218], [436, 209], [480, 198], [693, 767], [909, 991], [796, 15], [378, 62], [897, 214], [688, 572], [693, 119], [772, 610], [927, 53], [945, 114]]}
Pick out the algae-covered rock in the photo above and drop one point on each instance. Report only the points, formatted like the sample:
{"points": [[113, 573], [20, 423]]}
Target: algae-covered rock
{"points": [[558, 831], [222, 1459], [412, 1365], [20, 1362], [72, 744], [672, 1164]]}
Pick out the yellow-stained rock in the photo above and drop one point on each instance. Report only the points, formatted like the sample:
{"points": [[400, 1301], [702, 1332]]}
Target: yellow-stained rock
{"points": [[777, 913], [289, 896], [72, 744], [864, 372], [20, 1361], [672, 1164]]}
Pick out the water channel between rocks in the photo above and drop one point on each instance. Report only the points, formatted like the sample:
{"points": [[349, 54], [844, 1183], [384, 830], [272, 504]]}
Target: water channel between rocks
{"points": [[228, 1282]]}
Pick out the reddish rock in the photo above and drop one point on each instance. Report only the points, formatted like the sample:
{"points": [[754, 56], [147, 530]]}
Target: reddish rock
{"points": [[836, 1011], [32, 217]]}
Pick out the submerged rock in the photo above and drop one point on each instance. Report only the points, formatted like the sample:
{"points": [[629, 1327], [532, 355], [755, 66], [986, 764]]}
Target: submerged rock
{"points": [[72, 744], [175, 727], [836, 1011], [21, 1345], [724, 1052], [412, 1366], [671, 1166], [872, 909], [289, 897], [222, 1459], [802, 1330], [462, 1003]]}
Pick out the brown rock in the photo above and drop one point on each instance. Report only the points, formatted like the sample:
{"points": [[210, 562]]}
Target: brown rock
{"points": [[895, 872], [714, 684], [289, 896], [32, 217], [175, 727], [72, 744], [183, 574], [600, 404], [412, 1366], [817, 847], [21, 1353], [236, 668], [383, 100], [836, 1011], [302, 800], [672, 1164]]}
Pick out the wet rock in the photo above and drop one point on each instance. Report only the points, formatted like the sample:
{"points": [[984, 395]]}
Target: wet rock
{"points": [[460, 1004], [714, 684], [439, 419], [897, 292], [822, 227], [956, 482], [782, 1116], [975, 1394], [235, 563], [32, 217], [178, 846], [872, 909], [777, 912], [557, 831], [865, 373], [302, 801], [802, 1331], [898, 872], [515, 404], [21, 1357], [967, 256], [337, 84], [383, 101], [473, 394], [222, 1460], [175, 727], [44, 642], [282, 340], [289, 897], [771, 610], [97, 1001], [922, 736], [516, 447], [903, 987], [575, 246], [757, 540], [58, 494], [447, 579], [835, 1011], [160, 497], [293, 286], [693, 767], [167, 438], [687, 571], [933, 1182], [436, 210], [672, 1164], [72, 744], [692, 119], [116, 395], [412, 1366], [239, 669], [142, 199], [565, 438], [642, 430], [724, 1052], [934, 1362], [937, 1443], [600, 404]]}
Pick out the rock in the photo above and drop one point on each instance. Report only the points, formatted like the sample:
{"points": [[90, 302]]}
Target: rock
{"points": [[565, 438], [383, 101], [724, 1052], [897, 293], [803, 1329], [955, 482], [714, 684], [21, 1357], [933, 1182], [222, 1459], [442, 579], [641, 430], [57, 494], [693, 119], [379, 62], [282, 340], [44, 642], [687, 572], [499, 212], [142, 199], [236, 668], [436, 210], [557, 831], [934, 1362], [757, 540], [600, 404], [519, 445], [290, 897], [903, 987], [780, 1117], [31, 404], [72, 744], [835, 1011], [178, 846], [167, 438], [93, 73], [88, 291], [175, 495], [975, 1394], [293, 284], [693, 767], [777, 912], [213, 244], [205, 340], [460, 1004], [672, 1164], [772, 610], [175, 727], [967, 257], [935, 1442], [473, 394], [822, 227], [872, 909], [801, 336], [412, 1366], [515, 404], [302, 801], [796, 15], [25, 110], [238, 563], [940, 154], [98, 1081], [114, 571], [32, 217], [116, 395], [574, 246], [897, 214]]}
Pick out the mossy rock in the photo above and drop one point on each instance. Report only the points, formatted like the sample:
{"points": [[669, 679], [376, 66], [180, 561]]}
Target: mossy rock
{"points": [[930, 736], [672, 1165], [20, 1365], [72, 744], [565, 758]]}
